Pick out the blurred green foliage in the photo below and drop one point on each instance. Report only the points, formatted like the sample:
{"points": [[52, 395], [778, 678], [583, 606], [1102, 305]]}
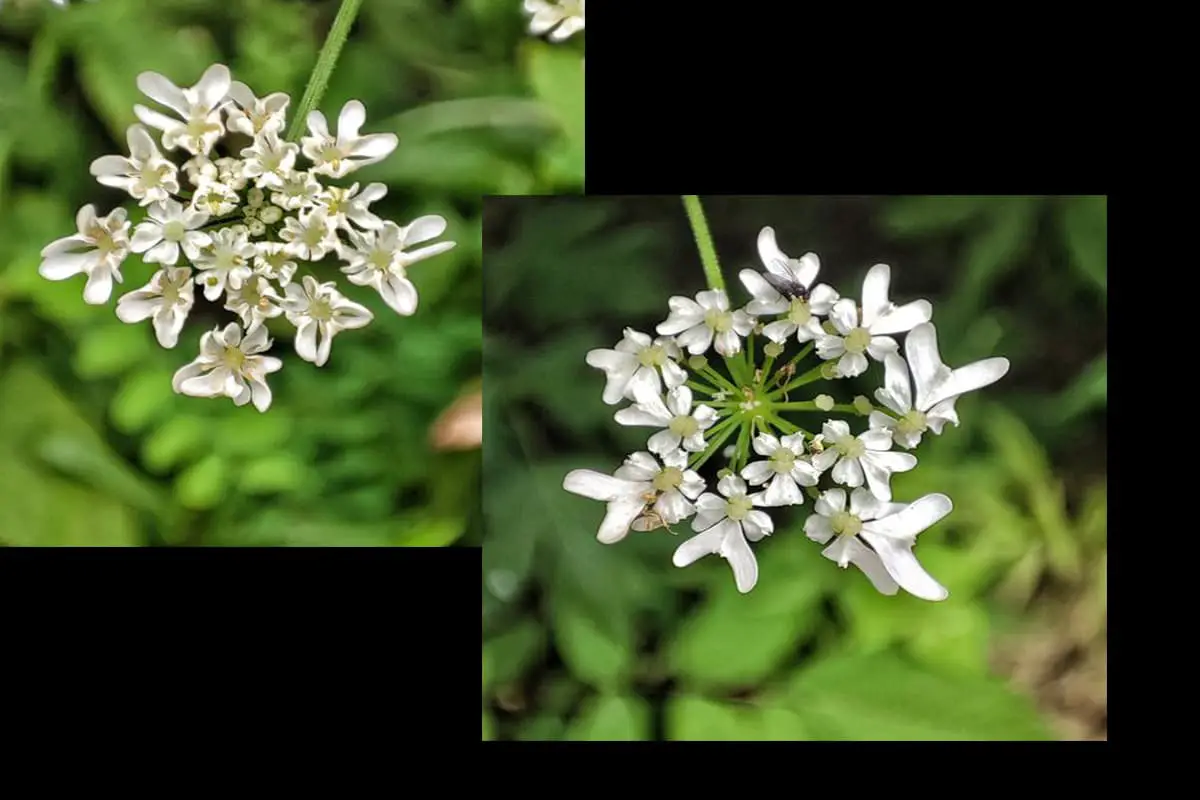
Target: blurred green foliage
{"points": [[95, 449], [587, 641]]}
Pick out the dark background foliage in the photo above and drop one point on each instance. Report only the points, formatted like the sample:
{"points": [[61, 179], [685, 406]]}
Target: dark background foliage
{"points": [[588, 641], [95, 449]]}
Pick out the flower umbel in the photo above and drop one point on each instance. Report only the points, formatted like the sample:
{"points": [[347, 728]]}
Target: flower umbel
{"points": [[735, 400], [239, 220]]}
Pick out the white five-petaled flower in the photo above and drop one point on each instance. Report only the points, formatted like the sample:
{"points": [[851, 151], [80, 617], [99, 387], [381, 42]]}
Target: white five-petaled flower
{"points": [[937, 387], [340, 155], [166, 299], [562, 18], [300, 189], [878, 537], [857, 338], [636, 361], [784, 470], [311, 236], [215, 198], [199, 108], [667, 489], [269, 160], [378, 258], [787, 274], [868, 454], [169, 228], [230, 364], [273, 261], [96, 251], [145, 175], [706, 322], [682, 426], [319, 311], [724, 525], [252, 115], [255, 300], [350, 205], [225, 263]]}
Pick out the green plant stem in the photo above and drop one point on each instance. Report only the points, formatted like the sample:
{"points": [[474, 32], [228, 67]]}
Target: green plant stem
{"points": [[326, 61], [809, 405], [704, 242]]}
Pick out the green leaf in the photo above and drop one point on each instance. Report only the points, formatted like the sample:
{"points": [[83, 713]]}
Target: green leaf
{"points": [[111, 349], [556, 76], [426, 529], [603, 658], [1085, 229], [698, 719], [1088, 391], [204, 483], [143, 398], [926, 214], [471, 112], [281, 471], [489, 731], [736, 640], [885, 698], [513, 652], [179, 437], [612, 718]]}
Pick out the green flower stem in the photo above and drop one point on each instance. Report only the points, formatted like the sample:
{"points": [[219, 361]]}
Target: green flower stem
{"points": [[785, 426], [741, 453], [766, 371], [736, 367], [809, 405], [812, 375], [718, 379], [703, 388], [721, 425], [326, 61], [714, 446], [704, 242]]}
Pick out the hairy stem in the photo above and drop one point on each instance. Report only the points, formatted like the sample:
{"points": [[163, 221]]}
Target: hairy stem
{"points": [[704, 242], [326, 61]]}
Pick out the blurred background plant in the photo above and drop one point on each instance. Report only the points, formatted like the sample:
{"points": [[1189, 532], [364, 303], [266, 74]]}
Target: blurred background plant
{"points": [[378, 447], [587, 641]]}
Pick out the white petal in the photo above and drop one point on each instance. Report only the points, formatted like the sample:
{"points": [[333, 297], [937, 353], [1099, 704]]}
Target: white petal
{"points": [[98, 288], [896, 382], [665, 441], [779, 330], [617, 519], [878, 468], [876, 439], [875, 293], [919, 515], [852, 365], [598, 486], [640, 466], [902, 565], [858, 555], [902, 319], [757, 525], [713, 299], [727, 343], [806, 271], [639, 416], [758, 472], [618, 369], [925, 362], [818, 528], [970, 378], [848, 472], [765, 444], [685, 313], [783, 491], [881, 346], [774, 259], [679, 401], [697, 340], [731, 486], [673, 375], [766, 299], [725, 540], [830, 502], [844, 315]]}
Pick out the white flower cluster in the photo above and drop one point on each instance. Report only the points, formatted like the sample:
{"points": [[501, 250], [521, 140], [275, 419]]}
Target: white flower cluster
{"points": [[241, 222], [774, 462], [561, 18]]}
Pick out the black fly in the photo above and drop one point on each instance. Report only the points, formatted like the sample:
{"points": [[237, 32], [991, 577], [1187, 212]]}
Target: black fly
{"points": [[788, 287]]}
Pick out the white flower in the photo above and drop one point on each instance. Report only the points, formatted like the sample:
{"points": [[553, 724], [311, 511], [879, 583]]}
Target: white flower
{"points": [[255, 300], [230, 364], [725, 524], [166, 299], [682, 426], [225, 262], [215, 199], [636, 361], [269, 160], [145, 175], [567, 15], [347, 152], [378, 259], [319, 311], [937, 387], [868, 453], [878, 538], [251, 115], [97, 251], [707, 318], [784, 471], [299, 189], [790, 275], [349, 205], [199, 108], [311, 236], [231, 172], [640, 482], [273, 261], [170, 227], [880, 317]]}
